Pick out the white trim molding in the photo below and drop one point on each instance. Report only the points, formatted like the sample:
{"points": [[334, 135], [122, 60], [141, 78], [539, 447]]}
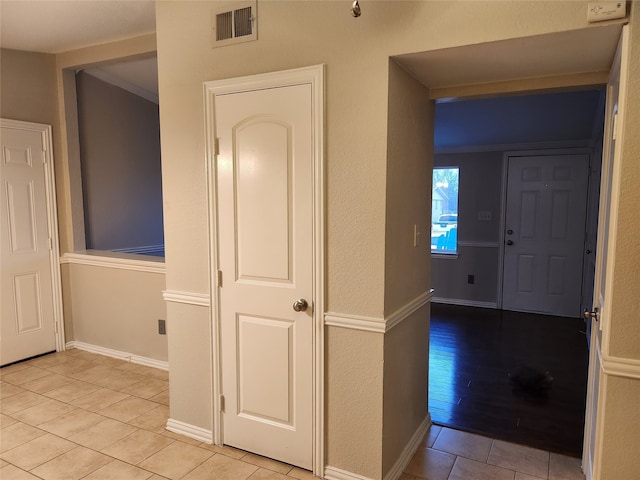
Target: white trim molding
{"points": [[464, 303], [153, 250], [375, 324], [515, 147], [121, 261], [620, 367], [191, 431], [129, 357], [354, 322], [189, 298], [333, 473], [409, 450], [404, 312], [475, 244]]}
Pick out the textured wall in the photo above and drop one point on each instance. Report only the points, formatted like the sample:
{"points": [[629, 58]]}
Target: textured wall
{"points": [[28, 88], [116, 309], [356, 53]]}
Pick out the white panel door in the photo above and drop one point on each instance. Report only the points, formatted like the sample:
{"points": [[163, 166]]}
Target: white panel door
{"points": [[544, 234], [26, 280], [265, 250]]}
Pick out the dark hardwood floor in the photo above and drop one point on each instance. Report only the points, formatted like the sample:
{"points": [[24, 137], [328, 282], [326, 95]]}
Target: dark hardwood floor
{"points": [[513, 376]]}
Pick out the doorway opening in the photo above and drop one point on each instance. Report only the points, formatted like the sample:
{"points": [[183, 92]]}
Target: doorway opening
{"points": [[519, 376]]}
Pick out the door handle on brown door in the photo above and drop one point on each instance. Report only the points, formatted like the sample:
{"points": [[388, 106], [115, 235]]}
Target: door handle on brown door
{"points": [[300, 305], [509, 242]]}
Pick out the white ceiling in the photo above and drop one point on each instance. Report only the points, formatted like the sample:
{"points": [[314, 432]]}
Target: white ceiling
{"points": [[55, 26], [564, 53]]}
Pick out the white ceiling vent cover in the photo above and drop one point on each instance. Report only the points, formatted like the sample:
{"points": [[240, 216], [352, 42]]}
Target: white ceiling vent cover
{"points": [[235, 22]]}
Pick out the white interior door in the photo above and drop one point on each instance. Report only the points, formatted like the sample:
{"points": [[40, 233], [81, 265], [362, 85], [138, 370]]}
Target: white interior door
{"points": [[28, 318], [544, 233], [265, 192], [598, 317]]}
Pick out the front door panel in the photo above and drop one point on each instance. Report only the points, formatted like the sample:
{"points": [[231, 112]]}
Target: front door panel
{"points": [[544, 238]]}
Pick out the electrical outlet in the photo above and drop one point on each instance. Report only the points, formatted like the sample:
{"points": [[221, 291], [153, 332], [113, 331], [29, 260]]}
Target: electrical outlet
{"points": [[471, 279], [162, 327], [484, 215]]}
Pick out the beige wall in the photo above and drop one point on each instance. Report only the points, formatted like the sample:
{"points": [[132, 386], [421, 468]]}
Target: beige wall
{"points": [[116, 309], [406, 364], [28, 87], [621, 407], [356, 52], [625, 327], [354, 404], [410, 125], [620, 443]]}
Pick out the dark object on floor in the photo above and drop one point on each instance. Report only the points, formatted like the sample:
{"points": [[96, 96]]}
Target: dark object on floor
{"points": [[530, 381]]}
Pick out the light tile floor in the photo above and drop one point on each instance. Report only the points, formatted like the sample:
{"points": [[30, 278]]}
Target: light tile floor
{"points": [[75, 414]]}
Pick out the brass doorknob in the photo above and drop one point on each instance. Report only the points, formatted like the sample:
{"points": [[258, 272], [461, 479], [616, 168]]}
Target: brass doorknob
{"points": [[300, 305]]}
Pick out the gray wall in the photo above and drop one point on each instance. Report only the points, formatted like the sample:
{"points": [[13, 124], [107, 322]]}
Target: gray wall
{"points": [[480, 190], [121, 172]]}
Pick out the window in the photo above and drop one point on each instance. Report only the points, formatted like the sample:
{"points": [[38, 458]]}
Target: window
{"points": [[444, 211]]}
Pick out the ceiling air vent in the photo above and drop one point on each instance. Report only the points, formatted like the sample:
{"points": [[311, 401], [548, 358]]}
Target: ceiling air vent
{"points": [[235, 23]]}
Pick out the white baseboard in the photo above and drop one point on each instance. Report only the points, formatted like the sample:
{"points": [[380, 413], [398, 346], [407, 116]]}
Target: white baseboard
{"points": [[129, 357], [410, 450], [333, 473], [191, 431], [464, 303]]}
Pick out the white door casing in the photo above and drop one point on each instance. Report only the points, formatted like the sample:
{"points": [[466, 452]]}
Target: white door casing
{"points": [[30, 279], [605, 253], [544, 233], [265, 190]]}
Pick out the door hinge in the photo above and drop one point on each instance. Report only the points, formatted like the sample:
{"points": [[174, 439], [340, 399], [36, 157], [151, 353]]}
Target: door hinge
{"points": [[216, 146], [222, 403], [50, 243], [220, 278], [55, 327], [615, 126]]}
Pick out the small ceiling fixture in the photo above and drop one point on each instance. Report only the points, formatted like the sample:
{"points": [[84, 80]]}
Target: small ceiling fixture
{"points": [[355, 9]]}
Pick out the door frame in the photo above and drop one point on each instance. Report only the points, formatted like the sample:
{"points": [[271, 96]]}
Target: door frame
{"points": [[52, 221], [601, 364], [538, 152], [313, 75]]}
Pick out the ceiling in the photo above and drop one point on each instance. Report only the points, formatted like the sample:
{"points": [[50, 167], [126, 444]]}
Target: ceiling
{"points": [[27, 25], [556, 54], [55, 26]]}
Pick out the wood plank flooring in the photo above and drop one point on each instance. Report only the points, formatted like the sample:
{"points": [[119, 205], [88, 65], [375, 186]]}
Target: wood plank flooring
{"points": [[513, 376]]}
